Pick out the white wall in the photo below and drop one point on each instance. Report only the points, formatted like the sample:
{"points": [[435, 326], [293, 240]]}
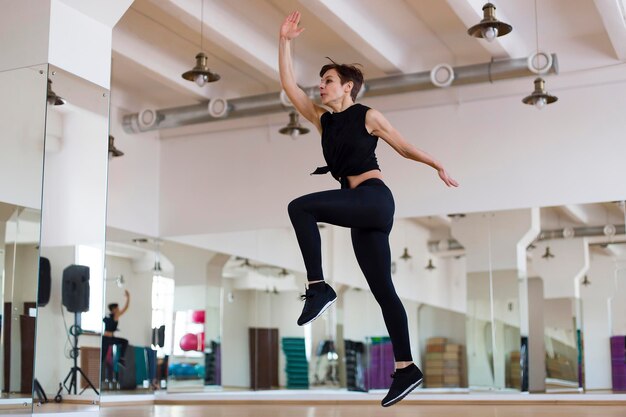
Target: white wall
{"points": [[19, 47], [74, 195], [22, 127], [235, 340], [133, 183], [243, 179], [596, 322], [561, 273], [93, 63]]}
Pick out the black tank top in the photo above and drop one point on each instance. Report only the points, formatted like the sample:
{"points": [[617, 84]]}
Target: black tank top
{"points": [[347, 146], [110, 324]]}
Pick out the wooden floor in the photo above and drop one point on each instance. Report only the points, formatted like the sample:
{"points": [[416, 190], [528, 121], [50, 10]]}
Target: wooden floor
{"points": [[353, 410]]}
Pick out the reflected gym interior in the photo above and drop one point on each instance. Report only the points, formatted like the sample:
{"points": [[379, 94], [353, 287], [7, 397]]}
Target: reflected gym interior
{"points": [[147, 260]]}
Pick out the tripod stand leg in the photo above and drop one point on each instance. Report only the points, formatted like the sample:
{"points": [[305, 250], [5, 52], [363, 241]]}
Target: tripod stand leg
{"points": [[41, 395], [71, 374], [88, 382]]}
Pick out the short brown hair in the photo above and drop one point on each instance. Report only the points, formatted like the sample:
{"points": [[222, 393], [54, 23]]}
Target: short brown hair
{"points": [[346, 73]]}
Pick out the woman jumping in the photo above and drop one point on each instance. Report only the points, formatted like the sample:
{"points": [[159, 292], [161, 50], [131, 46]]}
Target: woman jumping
{"points": [[363, 203]]}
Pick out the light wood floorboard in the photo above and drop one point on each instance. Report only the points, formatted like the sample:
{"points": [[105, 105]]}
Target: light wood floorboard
{"points": [[353, 410]]}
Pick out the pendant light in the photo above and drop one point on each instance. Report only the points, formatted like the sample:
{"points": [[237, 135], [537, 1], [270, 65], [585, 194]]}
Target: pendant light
{"points": [[585, 281], [489, 28], [113, 151], [201, 74], [156, 269], [53, 99], [547, 255], [430, 265], [539, 97], [405, 255], [294, 128]]}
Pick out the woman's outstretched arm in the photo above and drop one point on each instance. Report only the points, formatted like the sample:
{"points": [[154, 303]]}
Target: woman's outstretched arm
{"points": [[379, 126], [288, 31]]}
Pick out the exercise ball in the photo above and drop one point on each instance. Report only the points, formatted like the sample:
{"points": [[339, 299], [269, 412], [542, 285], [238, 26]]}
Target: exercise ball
{"points": [[197, 316]]}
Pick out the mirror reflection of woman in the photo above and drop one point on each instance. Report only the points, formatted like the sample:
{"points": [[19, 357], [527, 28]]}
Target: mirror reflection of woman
{"points": [[363, 203], [110, 327]]}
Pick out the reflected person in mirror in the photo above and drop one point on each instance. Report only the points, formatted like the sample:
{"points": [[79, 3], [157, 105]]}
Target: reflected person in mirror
{"points": [[350, 133], [110, 327]]}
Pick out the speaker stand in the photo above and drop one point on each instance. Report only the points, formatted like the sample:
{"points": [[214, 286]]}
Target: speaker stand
{"points": [[72, 375]]}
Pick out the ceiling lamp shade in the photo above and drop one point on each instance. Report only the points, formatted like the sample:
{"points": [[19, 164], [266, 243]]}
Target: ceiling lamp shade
{"points": [[405, 255], [293, 128], [547, 254], [52, 98], [489, 28], [540, 97], [201, 74], [113, 151], [430, 265]]}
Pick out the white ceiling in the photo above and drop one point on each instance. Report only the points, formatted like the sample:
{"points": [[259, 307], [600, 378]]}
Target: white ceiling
{"points": [[156, 40]]}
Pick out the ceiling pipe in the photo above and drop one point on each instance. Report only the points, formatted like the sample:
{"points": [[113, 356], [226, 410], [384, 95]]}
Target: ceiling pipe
{"points": [[448, 245], [271, 103]]}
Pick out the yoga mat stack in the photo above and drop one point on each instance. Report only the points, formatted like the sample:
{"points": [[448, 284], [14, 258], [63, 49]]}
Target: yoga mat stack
{"points": [[297, 367], [381, 363], [618, 362]]}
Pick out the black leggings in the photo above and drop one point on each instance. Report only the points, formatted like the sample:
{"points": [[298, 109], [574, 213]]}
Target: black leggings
{"points": [[110, 341], [368, 211]]}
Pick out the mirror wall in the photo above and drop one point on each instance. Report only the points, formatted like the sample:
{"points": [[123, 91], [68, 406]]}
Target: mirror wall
{"points": [[168, 335], [72, 243], [22, 123], [508, 301]]}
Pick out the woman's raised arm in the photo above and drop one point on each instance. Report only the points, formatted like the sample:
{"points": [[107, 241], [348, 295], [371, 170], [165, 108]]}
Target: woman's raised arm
{"points": [[288, 31]]}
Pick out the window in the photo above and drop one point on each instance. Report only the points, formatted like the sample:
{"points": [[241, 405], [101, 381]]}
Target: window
{"points": [[92, 257], [163, 309]]}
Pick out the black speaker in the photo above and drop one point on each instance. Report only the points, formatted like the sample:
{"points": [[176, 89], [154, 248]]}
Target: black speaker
{"points": [[75, 288], [43, 292]]}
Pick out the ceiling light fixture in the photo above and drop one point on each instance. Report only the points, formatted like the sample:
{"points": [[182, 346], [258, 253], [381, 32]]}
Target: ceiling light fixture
{"points": [[201, 74], [586, 281], [113, 151], [489, 28], [53, 99], [430, 265], [294, 128], [539, 97], [547, 254], [405, 255]]}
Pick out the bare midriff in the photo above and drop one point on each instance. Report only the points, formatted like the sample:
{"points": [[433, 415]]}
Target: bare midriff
{"points": [[108, 334], [355, 180]]}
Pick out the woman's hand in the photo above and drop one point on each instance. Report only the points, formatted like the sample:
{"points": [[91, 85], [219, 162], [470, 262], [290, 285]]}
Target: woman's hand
{"points": [[450, 182], [289, 30]]}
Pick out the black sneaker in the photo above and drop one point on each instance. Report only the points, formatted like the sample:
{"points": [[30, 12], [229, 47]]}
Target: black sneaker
{"points": [[404, 381], [316, 299]]}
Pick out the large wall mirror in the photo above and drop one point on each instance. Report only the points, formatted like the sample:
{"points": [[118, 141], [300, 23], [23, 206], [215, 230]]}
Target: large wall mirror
{"points": [[162, 316], [67, 371], [505, 301], [22, 123]]}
